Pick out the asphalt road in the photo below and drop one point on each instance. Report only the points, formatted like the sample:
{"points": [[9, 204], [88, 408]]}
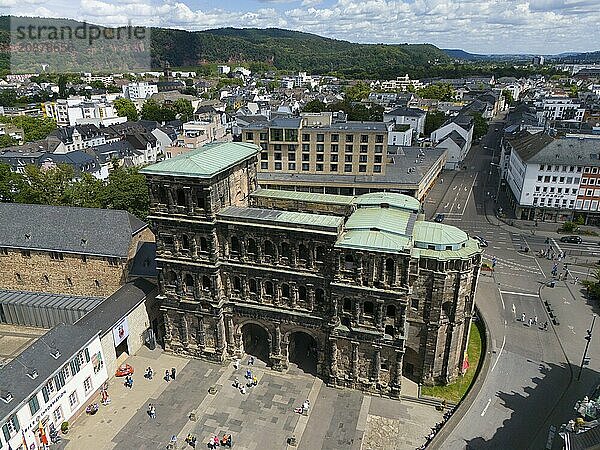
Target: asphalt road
{"points": [[530, 386]]}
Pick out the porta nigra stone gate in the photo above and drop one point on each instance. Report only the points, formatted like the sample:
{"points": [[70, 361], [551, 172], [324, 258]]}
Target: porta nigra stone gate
{"points": [[358, 290]]}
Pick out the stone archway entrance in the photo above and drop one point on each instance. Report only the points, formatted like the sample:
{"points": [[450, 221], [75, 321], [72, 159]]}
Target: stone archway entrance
{"points": [[256, 341], [303, 351], [411, 364]]}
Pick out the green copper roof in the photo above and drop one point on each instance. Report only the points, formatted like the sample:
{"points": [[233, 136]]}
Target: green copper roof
{"points": [[438, 234], [392, 199], [470, 249], [305, 196], [204, 162], [282, 218]]}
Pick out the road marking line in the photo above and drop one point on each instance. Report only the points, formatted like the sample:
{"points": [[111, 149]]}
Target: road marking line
{"points": [[486, 407], [524, 294]]}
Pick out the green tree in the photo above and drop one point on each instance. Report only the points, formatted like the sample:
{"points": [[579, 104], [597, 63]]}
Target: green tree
{"points": [[433, 120], [439, 91], [357, 92], [184, 109], [314, 106], [508, 97], [11, 184], [46, 187], [34, 128], [7, 141], [573, 91], [480, 125], [8, 97], [86, 192], [126, 189], [151, 110], [126, 108]]}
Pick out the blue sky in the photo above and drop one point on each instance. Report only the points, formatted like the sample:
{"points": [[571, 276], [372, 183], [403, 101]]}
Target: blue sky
{"points": [[478, 26]]}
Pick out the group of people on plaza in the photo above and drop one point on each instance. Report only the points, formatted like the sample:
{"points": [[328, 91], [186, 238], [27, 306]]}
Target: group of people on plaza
{"points": [[533, 321], [251, 380]]}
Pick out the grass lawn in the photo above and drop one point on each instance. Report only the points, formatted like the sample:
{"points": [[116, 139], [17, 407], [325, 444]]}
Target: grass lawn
{"points": [[455, 391]]}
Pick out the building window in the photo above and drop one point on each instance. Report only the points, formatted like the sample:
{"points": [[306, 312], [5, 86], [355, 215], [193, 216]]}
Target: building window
{"points": [[333, 167], [320, 137], [349, 148], [362, 158], [302, 293], [253, 286], [320, 148], [333, 158], [249, 136], [87, 385], [379, 149], [362, 168], [320, 158], [364, 148], [291, 156], [263, 136], [319, 167], [305, 157], [335, 138], [58, 415], [11, 427], [73, 401], [113, 261], [69, 282], [305, 167], [368, 308], [348, 158], [97, 283], [25, 253], [414, 303], [364, 138], [291, 166], [349, 138], [540, 178], [334, 148], [269, 288], [306, 147], [84, 258], [305, 137], [3, 251], [347, 167], [18, 276], [379, 138], [278, 165], [264, 165], [291, 147], [377, 169], [34, 404]]}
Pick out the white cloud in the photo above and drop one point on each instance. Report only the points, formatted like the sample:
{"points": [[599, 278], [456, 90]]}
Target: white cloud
{"points": [[483, 26]]}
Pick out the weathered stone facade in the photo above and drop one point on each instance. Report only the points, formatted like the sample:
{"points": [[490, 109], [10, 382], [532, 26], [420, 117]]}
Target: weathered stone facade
{"points": [[244, 278]]}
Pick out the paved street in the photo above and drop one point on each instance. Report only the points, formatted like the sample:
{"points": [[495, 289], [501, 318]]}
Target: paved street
{"points": [[529, 386], [263, 418]]}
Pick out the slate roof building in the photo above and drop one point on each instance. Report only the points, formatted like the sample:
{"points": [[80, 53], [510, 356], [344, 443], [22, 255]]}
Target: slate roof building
{"points": [[359, 290], [554, 178], [64, 250]]}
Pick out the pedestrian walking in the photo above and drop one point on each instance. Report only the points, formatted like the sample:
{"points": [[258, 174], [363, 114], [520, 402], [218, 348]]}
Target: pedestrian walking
{"points": [[167, 376], [530, 321], [576, 280], [248, 374], [522, 317], [251, 361], [173, 372], [535, 320]]}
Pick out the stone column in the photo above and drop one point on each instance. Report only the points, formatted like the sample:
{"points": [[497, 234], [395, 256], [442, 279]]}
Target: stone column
{"points": [[310, 263], [188, 199], [277, 340], [397, 379], [194, 247], [357, 311], [334, 359], [294, 257], [354, 363], [379, 314], [221, 343], [335, 320], [310, 295], [183, 329], [359, 267], [168, 327], [230, 339], [170, 202], [242, 250], [293, 294], [200, 333], [245, 291], [259, 290], [276, 292], [376, 364]]}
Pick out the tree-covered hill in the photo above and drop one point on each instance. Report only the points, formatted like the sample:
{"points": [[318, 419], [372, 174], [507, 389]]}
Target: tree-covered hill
{"points": [[282, 49]]}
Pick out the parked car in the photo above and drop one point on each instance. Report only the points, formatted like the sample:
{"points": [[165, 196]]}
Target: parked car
{"points": [[439, 218], [571, 239], [124, 370], [482, 241]]}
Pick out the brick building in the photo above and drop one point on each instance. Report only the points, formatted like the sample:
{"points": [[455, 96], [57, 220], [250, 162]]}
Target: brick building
{"points": [[63, 250], [358, 290]]}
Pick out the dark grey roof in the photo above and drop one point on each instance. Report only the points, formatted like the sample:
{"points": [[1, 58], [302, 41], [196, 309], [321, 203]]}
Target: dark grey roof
{"points": [[528, 145], [286, 122], [89, 231], [68, 340], [65, 134], [118, 149], [103, 317], [457, 138], [355, 126], [578, 151], [81, 161]]}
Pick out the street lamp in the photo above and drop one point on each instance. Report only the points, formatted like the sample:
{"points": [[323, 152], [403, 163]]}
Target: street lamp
{"points": [[588, 338]]}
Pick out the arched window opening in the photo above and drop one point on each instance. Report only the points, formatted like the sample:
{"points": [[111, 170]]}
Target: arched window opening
{"points": [[206, 283], [347, 305], [185, 242], [269, 248], [235, 244], [268, 288], [253, 286], [368, 308], [171, 278], [189, 283], [252, 248], [285, 290], [237, 284], [180, 197], [447, 308], [203, 244], [302, 295], [286, 251], [320, 295], [162, 195], [390, 311], [348, 262], [320, 254], [303, 254]]}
